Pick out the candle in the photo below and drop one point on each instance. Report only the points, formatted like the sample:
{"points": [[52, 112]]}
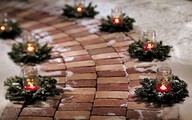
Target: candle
{"points": [[79, 9], [30, 48], [149, 46], [116, 20], [163, 88], [30, 86], [4, 27]]}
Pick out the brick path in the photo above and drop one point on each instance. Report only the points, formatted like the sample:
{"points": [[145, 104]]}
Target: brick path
{"points": [[94, 70]]}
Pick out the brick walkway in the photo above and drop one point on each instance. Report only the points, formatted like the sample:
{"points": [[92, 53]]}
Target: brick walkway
{"points": [[93, 69]]}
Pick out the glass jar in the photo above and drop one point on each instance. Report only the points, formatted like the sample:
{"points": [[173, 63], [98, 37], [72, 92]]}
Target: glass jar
{"points": [[164, 76], [30, 78]]}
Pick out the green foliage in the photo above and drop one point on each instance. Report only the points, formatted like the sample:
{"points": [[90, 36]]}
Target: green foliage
{"points": [[125, 26], [12, 33], [160, 52], [89, 12], [177, 93], [19, 55], [16, 91]]}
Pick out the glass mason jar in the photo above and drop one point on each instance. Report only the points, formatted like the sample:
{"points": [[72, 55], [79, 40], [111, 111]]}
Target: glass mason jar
{"points": [[29, 42], [30, 78], [164, 77], [4, 26], [149, 35], [149, 39], [116, 14]]}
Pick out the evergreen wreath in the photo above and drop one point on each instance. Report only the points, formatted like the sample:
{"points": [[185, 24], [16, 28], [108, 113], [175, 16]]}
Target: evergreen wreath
{"points": [[176, 94], [19, 54], [125, 26], [160, 51], [88, 12], [16, 91], [11, 33]]}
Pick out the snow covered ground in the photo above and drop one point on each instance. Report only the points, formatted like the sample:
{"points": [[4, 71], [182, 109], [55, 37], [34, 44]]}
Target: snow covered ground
{"points": [[172, 19]]}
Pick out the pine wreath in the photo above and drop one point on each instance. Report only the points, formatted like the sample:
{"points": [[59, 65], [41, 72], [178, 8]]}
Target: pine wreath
{"points": [[13, 31], [125, 26], [19, 54], [88, 12], [160, 52], [16, 91], [176, 94]]}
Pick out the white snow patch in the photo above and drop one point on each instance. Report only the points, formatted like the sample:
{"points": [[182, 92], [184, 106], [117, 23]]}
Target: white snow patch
{"points": [[111, 42], [61, 49], [111, 114], [123, 105], [69, 73], [68, 87], [142, 77], [67, 59], [93, 30], [141, 69], [50, 73], [47, 39], [56, 60], [125, 70], [37, 31], [42, 34]]}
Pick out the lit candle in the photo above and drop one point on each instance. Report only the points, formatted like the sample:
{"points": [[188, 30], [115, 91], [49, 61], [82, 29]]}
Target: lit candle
{"points": [[79, 9], [116, 20], [163, 88], [30, 48], [30, 85], [4, 27], [149, 46]]}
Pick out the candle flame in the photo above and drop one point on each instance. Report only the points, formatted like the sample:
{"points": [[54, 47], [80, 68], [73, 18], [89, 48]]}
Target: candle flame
{"points": [[30, 47], [79, 9], [163, 87], [150, 45], [3, 27], [117, 20], [31, 85]]}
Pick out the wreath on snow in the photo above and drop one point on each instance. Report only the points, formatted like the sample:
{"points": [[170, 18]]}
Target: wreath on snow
{"points": [[138, 50], [125, 25], [19, 54], [177, 93], [11, 29], [16, 91], [87, 12]]}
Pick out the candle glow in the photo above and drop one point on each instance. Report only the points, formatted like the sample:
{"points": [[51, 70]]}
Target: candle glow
{"points": [[116, 20], [163, 88], [149, 46], [30, 86], [30, 48], [4, 27], [79, 9]]}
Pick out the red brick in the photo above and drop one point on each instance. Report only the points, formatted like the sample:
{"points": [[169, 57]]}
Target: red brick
{"points": [[110, 102], [121, 49], [110, 87], [35, 118], [80, 34], [111, 74], [131, 114], [151, 115], [78, 58], [82, 70], [81, 83], [90, 42], [48, 112], [75, 106], [101, 50], [61, 40], [38, 26], [77, 98], [10, 113], [134, 83], [109, 61], [109, 111]]}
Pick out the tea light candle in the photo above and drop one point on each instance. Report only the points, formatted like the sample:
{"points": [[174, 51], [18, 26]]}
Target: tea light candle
{"points": [[30, 48], [116, 20], [30, 86], [4, 27], [79, 9], [149, 46], [163, 88]]}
